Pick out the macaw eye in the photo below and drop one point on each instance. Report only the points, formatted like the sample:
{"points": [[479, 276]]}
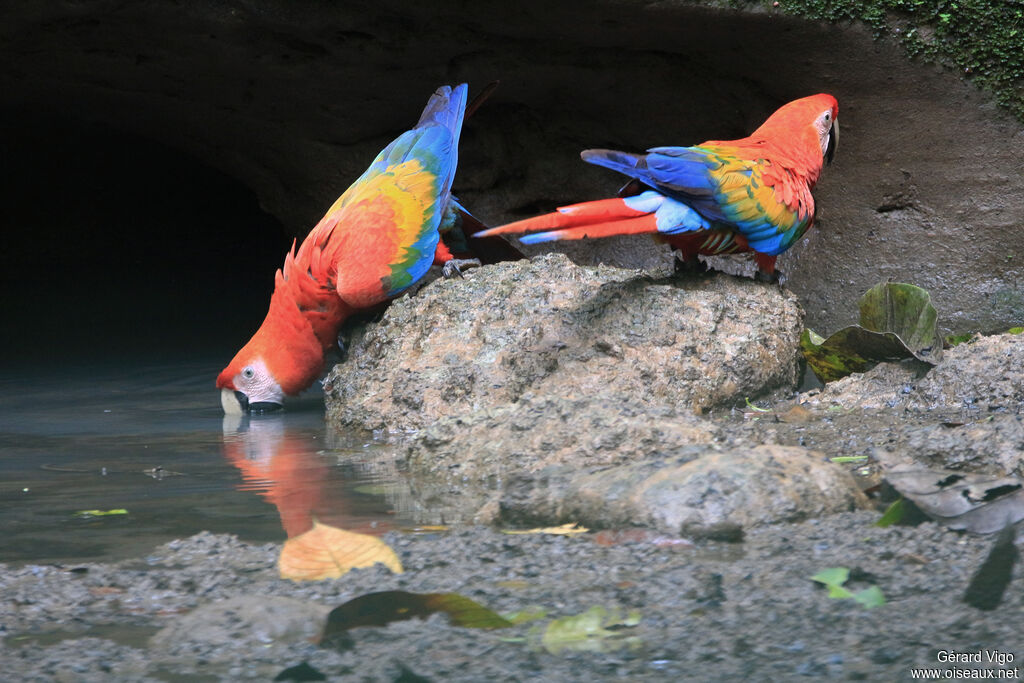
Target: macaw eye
{"points": [[828, 116], [248, 373]]}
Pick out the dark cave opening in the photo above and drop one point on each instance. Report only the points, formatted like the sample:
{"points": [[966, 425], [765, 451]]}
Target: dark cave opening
{"points": [[117, 246]]}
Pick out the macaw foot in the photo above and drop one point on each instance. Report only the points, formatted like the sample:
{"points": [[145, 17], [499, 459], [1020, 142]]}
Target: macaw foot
{"points": [[454, 267], [771, 278], [689, 266]]}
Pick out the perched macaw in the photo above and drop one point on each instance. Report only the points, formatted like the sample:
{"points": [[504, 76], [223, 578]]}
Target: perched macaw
{"points": [[719, 197], [378, 239]]}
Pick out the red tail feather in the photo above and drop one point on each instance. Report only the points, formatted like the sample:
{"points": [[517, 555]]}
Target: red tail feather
{"points": [[647, 224], [602, 211]]}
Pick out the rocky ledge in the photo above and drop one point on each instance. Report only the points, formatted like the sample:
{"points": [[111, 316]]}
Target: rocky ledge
{"points": [[543, 391]]}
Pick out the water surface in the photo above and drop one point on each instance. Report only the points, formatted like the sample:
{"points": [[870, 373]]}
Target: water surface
{"points": [[150, 438]]}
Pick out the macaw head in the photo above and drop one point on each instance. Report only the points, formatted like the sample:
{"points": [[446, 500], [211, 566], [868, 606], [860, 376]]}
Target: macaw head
{"points": [[282, 358], [812, 120]]}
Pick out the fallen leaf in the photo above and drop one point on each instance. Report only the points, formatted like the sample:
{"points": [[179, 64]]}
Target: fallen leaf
{"points": [[596, 630], [101, 513], [834, 577], [979, 503], [957, 339], [897, 321], [903, 309], [384, 607], [326, 552], [870, 597], [892, 515], [564, 530], [524, 615]]}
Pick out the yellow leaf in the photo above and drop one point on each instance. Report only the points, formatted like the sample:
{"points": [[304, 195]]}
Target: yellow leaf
{"points": [[327, 552], [564, 530]]}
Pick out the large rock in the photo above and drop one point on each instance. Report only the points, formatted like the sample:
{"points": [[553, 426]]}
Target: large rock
{"points": [[493, 444], [609, 463], [692, 493], [550, 327]]}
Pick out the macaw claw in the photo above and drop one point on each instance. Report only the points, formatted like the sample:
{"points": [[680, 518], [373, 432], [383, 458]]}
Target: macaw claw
{"points": [[689, 266], [455, 266], [772, 278]]}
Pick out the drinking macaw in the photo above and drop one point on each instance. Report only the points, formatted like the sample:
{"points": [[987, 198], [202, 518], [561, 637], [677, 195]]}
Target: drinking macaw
{"points": [[719, 197], [378, 239]]}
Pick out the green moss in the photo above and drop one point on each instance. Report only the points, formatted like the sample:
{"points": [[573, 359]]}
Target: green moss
{"points": [[982, 38]]}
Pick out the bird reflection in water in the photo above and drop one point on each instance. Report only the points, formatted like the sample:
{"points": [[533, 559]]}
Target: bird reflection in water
{"points": [[286, 467]]}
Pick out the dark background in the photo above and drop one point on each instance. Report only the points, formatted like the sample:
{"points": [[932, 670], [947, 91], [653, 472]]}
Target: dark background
{"points": [[159, 157]]}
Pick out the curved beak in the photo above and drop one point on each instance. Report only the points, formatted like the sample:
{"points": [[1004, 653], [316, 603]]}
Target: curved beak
{"points": [[833, 142], [237, 403]]}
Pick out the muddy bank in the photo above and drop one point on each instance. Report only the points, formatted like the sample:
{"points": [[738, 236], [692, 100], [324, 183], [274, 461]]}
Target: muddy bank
{"points": [[712, 611]]}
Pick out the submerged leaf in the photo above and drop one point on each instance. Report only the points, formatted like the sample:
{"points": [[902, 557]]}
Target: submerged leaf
{"points": [[101, 513], [382, 608], [327, 552], [897, 322], [596, 630], [525, 615]]}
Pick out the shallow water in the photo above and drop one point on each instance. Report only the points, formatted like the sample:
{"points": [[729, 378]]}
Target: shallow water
{"points": [[152, 440]]}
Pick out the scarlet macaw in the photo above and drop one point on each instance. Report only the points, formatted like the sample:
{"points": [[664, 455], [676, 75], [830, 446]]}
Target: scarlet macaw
{"points": [[378, 239], [719, 197]]}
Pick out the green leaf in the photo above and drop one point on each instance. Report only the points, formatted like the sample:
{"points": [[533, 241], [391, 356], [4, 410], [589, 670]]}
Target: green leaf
{"points": [[870, 597], [1015, 330], [838, 592], [905, 310], [596, 630], [893, 514], [957, 339], [833, 576], [848, 458], [756, 409], [897, 321], [525, 615], [100, 513]]}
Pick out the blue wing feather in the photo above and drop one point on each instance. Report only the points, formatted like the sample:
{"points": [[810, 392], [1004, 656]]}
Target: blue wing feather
{"points": [[434, 143]]}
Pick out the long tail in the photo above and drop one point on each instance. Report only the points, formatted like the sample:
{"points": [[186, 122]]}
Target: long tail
{"points": [[446, 107], [601, 218]]}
